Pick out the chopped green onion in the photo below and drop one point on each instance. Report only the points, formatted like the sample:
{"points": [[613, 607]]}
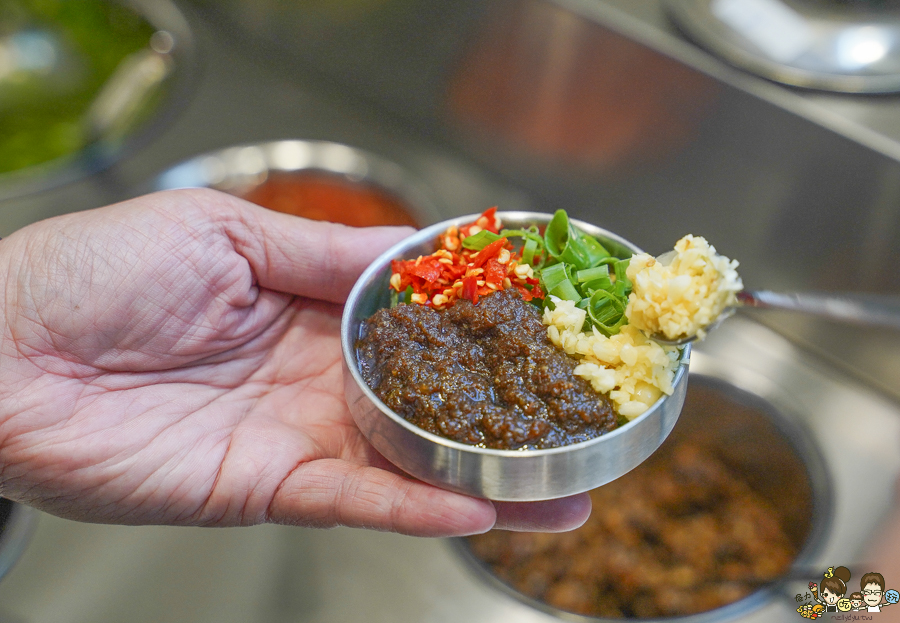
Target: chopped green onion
{"points": [[582, 269], [599, 284], [591, 248], [566, 291], [552, 276], [480, 240], [557, 233], [534, 242], [530, 233], [556, 280], [566, 243], [395, 298], [623, 283], [604, 307], [529, 250], [591, 274], [606, 312], [609, 261]]}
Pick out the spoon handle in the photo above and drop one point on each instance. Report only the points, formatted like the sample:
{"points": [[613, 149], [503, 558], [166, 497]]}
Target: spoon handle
{"points": [[869, 310]]}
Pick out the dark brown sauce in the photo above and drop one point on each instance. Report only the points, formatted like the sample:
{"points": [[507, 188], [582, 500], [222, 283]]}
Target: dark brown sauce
{"points": [[482, 374], [682, 533]]}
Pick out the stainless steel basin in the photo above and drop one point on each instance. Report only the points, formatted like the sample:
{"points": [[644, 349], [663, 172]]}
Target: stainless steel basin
{"points": [[725, 435]]}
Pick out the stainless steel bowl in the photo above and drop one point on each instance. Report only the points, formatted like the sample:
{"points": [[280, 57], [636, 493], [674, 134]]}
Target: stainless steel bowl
{"points": [[848, 47], [239, 169], [760, 441], [505, 475]]}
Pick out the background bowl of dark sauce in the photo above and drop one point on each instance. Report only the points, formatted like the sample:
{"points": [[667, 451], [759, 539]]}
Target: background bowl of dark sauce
{"points": [[707, 529], [504, 475]]}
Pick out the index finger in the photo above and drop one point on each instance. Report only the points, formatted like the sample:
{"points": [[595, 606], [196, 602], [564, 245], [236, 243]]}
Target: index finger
{"points": [[320, 260], [299, 256]]}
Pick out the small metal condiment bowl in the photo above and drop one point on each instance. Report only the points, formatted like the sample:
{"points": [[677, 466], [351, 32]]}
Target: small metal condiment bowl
{"points": [[503, 475], [239, 169]]}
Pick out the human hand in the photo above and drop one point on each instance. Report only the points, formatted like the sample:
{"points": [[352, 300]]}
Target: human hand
{"points": [[175, 359]]}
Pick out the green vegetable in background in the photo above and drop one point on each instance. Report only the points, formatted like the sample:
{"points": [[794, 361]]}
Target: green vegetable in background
{"points": [[64, 51]]}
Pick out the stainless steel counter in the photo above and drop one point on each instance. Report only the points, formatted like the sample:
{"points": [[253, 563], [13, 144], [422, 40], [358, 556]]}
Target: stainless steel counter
{"points": [[773, 177], [872, 120]]}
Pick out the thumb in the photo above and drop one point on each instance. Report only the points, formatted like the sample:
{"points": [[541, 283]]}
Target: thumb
{"points": [[308, 258]]}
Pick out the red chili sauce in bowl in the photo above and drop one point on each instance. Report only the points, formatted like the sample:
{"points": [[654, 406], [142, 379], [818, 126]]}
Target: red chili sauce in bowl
{"points": [[324, 196]]}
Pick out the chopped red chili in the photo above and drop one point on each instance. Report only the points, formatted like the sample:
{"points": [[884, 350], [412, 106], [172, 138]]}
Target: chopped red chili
{"points": [[454, 272], [469, 289]]}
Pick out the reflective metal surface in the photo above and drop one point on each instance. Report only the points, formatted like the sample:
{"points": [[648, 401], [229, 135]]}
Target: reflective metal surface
{"points": [[868, 311], [508, 475], [852, 47]]}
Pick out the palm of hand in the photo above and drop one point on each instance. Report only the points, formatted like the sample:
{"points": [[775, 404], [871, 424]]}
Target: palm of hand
{"points": [[160, 373]]}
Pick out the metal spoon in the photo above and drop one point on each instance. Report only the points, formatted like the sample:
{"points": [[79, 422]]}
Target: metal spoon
{"points": [[867, 310]]}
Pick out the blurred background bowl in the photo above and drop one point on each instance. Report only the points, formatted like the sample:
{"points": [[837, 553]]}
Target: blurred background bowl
{"points": [[17, 523], [735, 496], [319, 180], [509, 475], [84, 84]]}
